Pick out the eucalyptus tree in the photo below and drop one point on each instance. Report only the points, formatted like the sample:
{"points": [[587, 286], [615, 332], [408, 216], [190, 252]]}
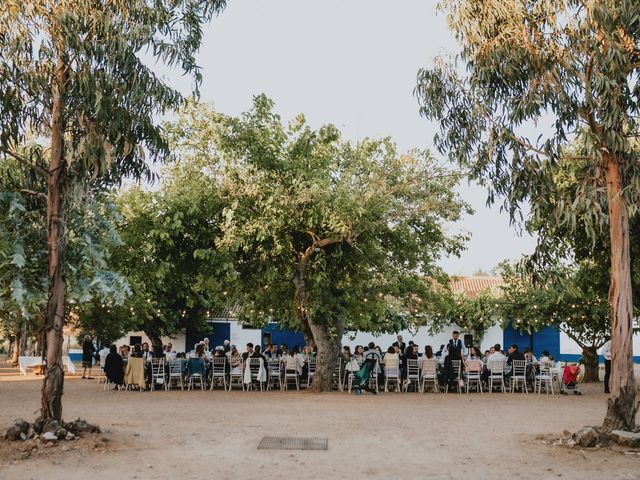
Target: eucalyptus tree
{"points": [[572, 66], [325, 235], [90, 237], [76, 73]]}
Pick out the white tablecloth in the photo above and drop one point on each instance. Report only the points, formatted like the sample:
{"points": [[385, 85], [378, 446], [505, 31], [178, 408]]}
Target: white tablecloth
{"points": [[26, 362]]}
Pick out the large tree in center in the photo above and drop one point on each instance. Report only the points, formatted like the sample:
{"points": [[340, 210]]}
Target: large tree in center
{"points": [[74, 73], [571, 67], [326, 235]]}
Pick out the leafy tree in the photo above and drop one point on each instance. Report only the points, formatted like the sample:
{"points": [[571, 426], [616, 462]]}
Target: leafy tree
{"points": [[72, 72], [573, 65], [23, 253], [325, 234], [475, 314], [169, 257], [571, 298]]}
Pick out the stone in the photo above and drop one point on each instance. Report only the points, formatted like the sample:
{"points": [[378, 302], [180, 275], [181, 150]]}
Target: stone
{"points": [[61, 433], [69, 436], [80, 426], [627, 439], [587, 437], [18, 430], [49, 437]]}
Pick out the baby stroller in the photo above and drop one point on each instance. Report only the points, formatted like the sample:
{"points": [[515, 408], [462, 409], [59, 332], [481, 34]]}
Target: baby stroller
{"points": [[571, 376], [361, 377]]}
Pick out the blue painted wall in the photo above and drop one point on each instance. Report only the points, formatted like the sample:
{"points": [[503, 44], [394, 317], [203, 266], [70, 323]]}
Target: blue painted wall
{"points": [[217, 334], [546, 339], [287, 337]]}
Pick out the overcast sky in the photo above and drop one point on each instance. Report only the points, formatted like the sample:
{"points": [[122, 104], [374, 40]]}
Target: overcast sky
{"points": [[352, 63]]}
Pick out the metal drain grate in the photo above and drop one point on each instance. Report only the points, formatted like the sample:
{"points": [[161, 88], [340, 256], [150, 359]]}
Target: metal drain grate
{"points": [[293, 443]]}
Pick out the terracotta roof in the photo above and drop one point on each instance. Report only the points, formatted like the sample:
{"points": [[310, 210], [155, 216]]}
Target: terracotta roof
{"points": [[472, 286]]}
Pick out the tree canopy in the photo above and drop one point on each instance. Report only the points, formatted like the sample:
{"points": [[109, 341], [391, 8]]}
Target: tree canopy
{"points": [[325, 234], [570, 65]]}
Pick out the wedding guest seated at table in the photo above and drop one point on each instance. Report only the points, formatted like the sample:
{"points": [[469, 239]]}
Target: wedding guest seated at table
{"points": [[449, 376], [284, 350], [200, 353], [146, 354], [391, 361], [410, 353], [137, 351], [473, 362], [114, 367], [528, 356], [514, 354], [219, 352], [546, 357], [359, 353], [294, 361]]}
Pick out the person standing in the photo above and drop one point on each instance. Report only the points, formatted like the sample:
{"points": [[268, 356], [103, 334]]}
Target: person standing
{"points": [[400, 344], [605, 351], [457, 343], [88, 350]]}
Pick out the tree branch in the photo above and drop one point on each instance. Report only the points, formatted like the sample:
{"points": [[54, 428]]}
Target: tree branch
{"points": [[26, 162], [32, 192], [588, 110]]}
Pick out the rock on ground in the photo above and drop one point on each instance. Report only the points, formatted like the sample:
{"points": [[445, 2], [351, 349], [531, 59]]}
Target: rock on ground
{"points": [[627, 439], [587, 437]]}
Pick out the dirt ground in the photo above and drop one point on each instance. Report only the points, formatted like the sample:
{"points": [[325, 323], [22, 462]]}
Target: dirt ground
{"points": [[168, 435]]}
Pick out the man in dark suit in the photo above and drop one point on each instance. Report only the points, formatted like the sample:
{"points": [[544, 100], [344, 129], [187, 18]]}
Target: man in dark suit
{"points": [[400, 344], [457, 343], [249, 351], [514, 354]]}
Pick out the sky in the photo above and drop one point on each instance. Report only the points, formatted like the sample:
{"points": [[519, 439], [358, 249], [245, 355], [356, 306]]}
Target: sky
{"points": [[352, 63]]}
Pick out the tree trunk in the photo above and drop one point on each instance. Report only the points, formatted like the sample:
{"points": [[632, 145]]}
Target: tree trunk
{"points": [[591, 364], [328, 351], [16, 348], [156, 343], [52, 387], [621, 409]]}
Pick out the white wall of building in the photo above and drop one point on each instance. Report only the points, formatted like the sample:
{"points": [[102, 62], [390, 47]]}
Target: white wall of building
{"points": [[421, 337], [568, 346], [178, 340], [241, 336]]}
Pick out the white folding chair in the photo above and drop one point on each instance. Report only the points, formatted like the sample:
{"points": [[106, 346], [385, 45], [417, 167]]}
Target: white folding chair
{"points": [[496, 375], [519, 375], [413, 375], [429, 374], [274, 368], [311, 369], [392, 373], [291, 373], [235, 372], [473, 374], [219, 372], [336, 378], [544, 377], [176, 372], [353, 366], [158, 373], [196, 376], [254, 367], [455, 366]]}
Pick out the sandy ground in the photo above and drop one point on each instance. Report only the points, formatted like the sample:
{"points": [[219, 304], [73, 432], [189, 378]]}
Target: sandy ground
{"points": [[168, 435]]}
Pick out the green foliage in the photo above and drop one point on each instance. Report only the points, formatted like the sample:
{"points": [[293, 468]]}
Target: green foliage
{"points": [[111, 96], [568, 64], [571, 298], [90, 238], [169, 257], [318, 227], [472, 314]]}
